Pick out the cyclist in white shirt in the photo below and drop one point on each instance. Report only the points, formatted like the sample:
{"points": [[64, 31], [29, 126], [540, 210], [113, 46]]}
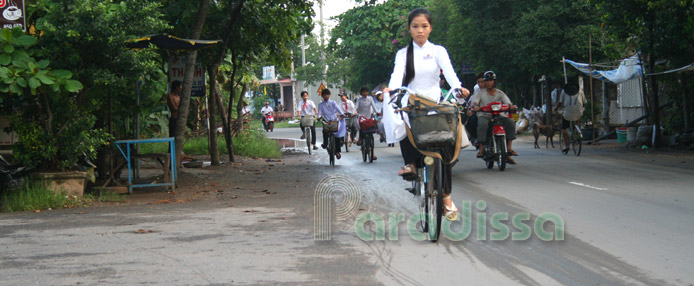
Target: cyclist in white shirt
{"points": [[347, 106], [308, 108]]}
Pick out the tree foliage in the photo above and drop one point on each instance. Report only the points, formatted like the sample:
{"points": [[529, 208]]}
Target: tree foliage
{"points": [[88, 38], [366, 38]]}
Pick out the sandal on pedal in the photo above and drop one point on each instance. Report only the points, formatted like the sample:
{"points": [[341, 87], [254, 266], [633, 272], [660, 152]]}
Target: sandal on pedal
{"points": [[408, 173], [480, 154], [512, 153], [338, 156], [451, 213], [510, 161]]}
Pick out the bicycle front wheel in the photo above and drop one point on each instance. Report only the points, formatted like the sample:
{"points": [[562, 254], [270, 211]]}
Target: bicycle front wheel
{"points": [[434, 195], [370, 145], [501, 152], [562, 144], [577, 140], [307, 131], [348, 141], [331, 149]]}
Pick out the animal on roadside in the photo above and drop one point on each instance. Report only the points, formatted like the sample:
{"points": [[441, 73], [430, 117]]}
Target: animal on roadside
{"points": [[537, 117]]}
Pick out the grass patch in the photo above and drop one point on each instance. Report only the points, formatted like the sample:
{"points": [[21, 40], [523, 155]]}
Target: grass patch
{"points": [[35, 196], [254, 144], [250, 143]]}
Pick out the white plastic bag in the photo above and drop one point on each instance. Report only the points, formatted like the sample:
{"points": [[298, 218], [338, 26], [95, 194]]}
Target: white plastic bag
{"points": [[392, 122]]}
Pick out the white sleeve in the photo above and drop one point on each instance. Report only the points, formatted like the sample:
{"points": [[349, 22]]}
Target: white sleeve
{"points": [[398, 70], [444, 62]]}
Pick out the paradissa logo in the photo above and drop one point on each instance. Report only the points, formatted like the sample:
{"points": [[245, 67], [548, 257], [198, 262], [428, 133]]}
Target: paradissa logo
{"points": [[498, 222]]}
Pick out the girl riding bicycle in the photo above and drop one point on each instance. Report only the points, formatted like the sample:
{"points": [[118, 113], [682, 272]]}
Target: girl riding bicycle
{"points": [[418, 67]]}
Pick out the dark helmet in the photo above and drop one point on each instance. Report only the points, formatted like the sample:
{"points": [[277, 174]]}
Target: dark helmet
{"points": [[489, 75]]}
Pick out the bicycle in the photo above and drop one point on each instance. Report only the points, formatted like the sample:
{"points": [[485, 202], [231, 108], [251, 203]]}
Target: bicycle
{"points": [[367, 146], [331, 127], [349, 120], [432, 178], [306, 123], [575, 138]]}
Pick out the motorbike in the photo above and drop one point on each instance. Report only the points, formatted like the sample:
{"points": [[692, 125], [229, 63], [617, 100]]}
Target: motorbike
{"points": [[495, 148], [11, 175], [269, 122]]}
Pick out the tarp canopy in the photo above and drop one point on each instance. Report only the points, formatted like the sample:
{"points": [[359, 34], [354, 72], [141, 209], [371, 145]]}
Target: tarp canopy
{"points": [[169, 42], [628, 69]]}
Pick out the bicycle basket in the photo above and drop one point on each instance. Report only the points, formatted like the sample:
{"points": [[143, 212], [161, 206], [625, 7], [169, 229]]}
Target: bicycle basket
{"points": [[330, 126], [348, 121], [434, 126], [366, 123], [307, 121]]}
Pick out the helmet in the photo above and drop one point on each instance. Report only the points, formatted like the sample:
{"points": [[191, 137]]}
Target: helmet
{"points": [[489, 75]]}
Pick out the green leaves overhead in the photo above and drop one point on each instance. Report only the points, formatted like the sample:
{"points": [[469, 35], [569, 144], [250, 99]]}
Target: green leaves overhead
{"points": [[365, 41]]}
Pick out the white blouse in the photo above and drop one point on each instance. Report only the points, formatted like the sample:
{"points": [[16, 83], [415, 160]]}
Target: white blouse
{"points": [[429, 60]]}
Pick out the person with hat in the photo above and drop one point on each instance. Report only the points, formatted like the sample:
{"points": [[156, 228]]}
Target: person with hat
{"points": [[264, 111]]}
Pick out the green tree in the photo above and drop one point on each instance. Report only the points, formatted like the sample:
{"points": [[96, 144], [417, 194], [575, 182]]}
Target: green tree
{"points": [[366, 38]]}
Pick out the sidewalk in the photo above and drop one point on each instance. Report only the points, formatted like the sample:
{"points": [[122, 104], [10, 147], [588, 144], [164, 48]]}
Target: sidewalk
{"points": [[667, 157]]}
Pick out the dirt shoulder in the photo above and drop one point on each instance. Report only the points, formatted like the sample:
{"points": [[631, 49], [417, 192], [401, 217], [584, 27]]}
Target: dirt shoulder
{"points": [[247, 181]]}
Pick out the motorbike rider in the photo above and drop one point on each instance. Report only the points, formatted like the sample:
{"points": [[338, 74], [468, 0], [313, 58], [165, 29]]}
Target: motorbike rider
{"points": [[471, 124], [264, 111], [489, 94]]}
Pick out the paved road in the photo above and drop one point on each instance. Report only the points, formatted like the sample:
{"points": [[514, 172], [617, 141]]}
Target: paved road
{"points": [[625, 223]]}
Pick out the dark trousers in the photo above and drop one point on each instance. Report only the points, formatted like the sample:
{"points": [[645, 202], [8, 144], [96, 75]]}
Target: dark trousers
{"points": [[483, 128], [409, 152], [338, 141], [313, 131], [264, 123], [471, 126]]}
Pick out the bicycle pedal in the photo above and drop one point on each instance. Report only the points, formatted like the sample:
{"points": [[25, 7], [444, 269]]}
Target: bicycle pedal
{"points": [[410, 177], [412, 191]]}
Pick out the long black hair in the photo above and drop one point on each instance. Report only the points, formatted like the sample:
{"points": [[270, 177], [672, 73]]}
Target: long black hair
{"points": [[409, 67]]}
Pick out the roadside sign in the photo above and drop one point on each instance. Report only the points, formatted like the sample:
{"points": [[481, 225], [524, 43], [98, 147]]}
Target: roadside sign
{"points": [[177, 66], [12, 14], [320, 88], [268, 72]]}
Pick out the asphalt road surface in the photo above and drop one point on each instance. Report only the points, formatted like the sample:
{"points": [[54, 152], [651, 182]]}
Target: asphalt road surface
{"points": [[621, 223]]}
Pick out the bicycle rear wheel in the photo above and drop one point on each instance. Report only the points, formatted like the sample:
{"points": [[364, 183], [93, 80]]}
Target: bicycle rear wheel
{"points": [[577, 140]]}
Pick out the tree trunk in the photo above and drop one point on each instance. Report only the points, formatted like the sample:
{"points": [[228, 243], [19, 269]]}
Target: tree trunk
{"points": [[239, 108], [211, 102], [232, 94], [183, 108]]}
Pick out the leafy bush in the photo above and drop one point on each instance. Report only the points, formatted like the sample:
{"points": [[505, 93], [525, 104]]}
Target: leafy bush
{"points": [[53, 131]]}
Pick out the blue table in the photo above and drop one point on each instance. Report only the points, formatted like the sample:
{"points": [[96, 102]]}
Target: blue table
{"points": [[127, 155]]}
